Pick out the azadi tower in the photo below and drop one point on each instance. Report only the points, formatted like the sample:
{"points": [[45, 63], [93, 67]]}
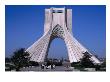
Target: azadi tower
{"points": [[58, 24]]}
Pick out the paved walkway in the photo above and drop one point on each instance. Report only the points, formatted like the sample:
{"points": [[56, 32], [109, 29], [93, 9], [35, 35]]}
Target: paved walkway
{"points": [[57, 68]]}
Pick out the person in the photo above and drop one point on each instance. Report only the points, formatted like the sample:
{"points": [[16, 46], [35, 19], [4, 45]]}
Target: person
{"points": [[48, 67], [53, 66], [42, 66]]}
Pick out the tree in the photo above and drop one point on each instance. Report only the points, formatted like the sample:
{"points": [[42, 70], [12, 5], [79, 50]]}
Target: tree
{"points": [[76, 65], [85, 61], [7, 60], [20, 59], [103, 65], [8, 64], [33, 63]]}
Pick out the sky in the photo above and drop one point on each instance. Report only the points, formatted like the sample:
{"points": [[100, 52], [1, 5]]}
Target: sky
{"points": [[24, 24]]}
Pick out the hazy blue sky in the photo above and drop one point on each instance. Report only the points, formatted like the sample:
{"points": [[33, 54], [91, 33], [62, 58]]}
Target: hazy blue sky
{"points": [[25, 24]]}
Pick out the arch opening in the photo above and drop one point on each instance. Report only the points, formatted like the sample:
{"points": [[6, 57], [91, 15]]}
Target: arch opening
{"points": [[57, 49]]}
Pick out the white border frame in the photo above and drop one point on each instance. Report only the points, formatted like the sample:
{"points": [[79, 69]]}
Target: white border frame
{"points": [[52, 76]]}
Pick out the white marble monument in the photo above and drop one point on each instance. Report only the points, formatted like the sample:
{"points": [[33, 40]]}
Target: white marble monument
{"points": [[58, 24]]}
